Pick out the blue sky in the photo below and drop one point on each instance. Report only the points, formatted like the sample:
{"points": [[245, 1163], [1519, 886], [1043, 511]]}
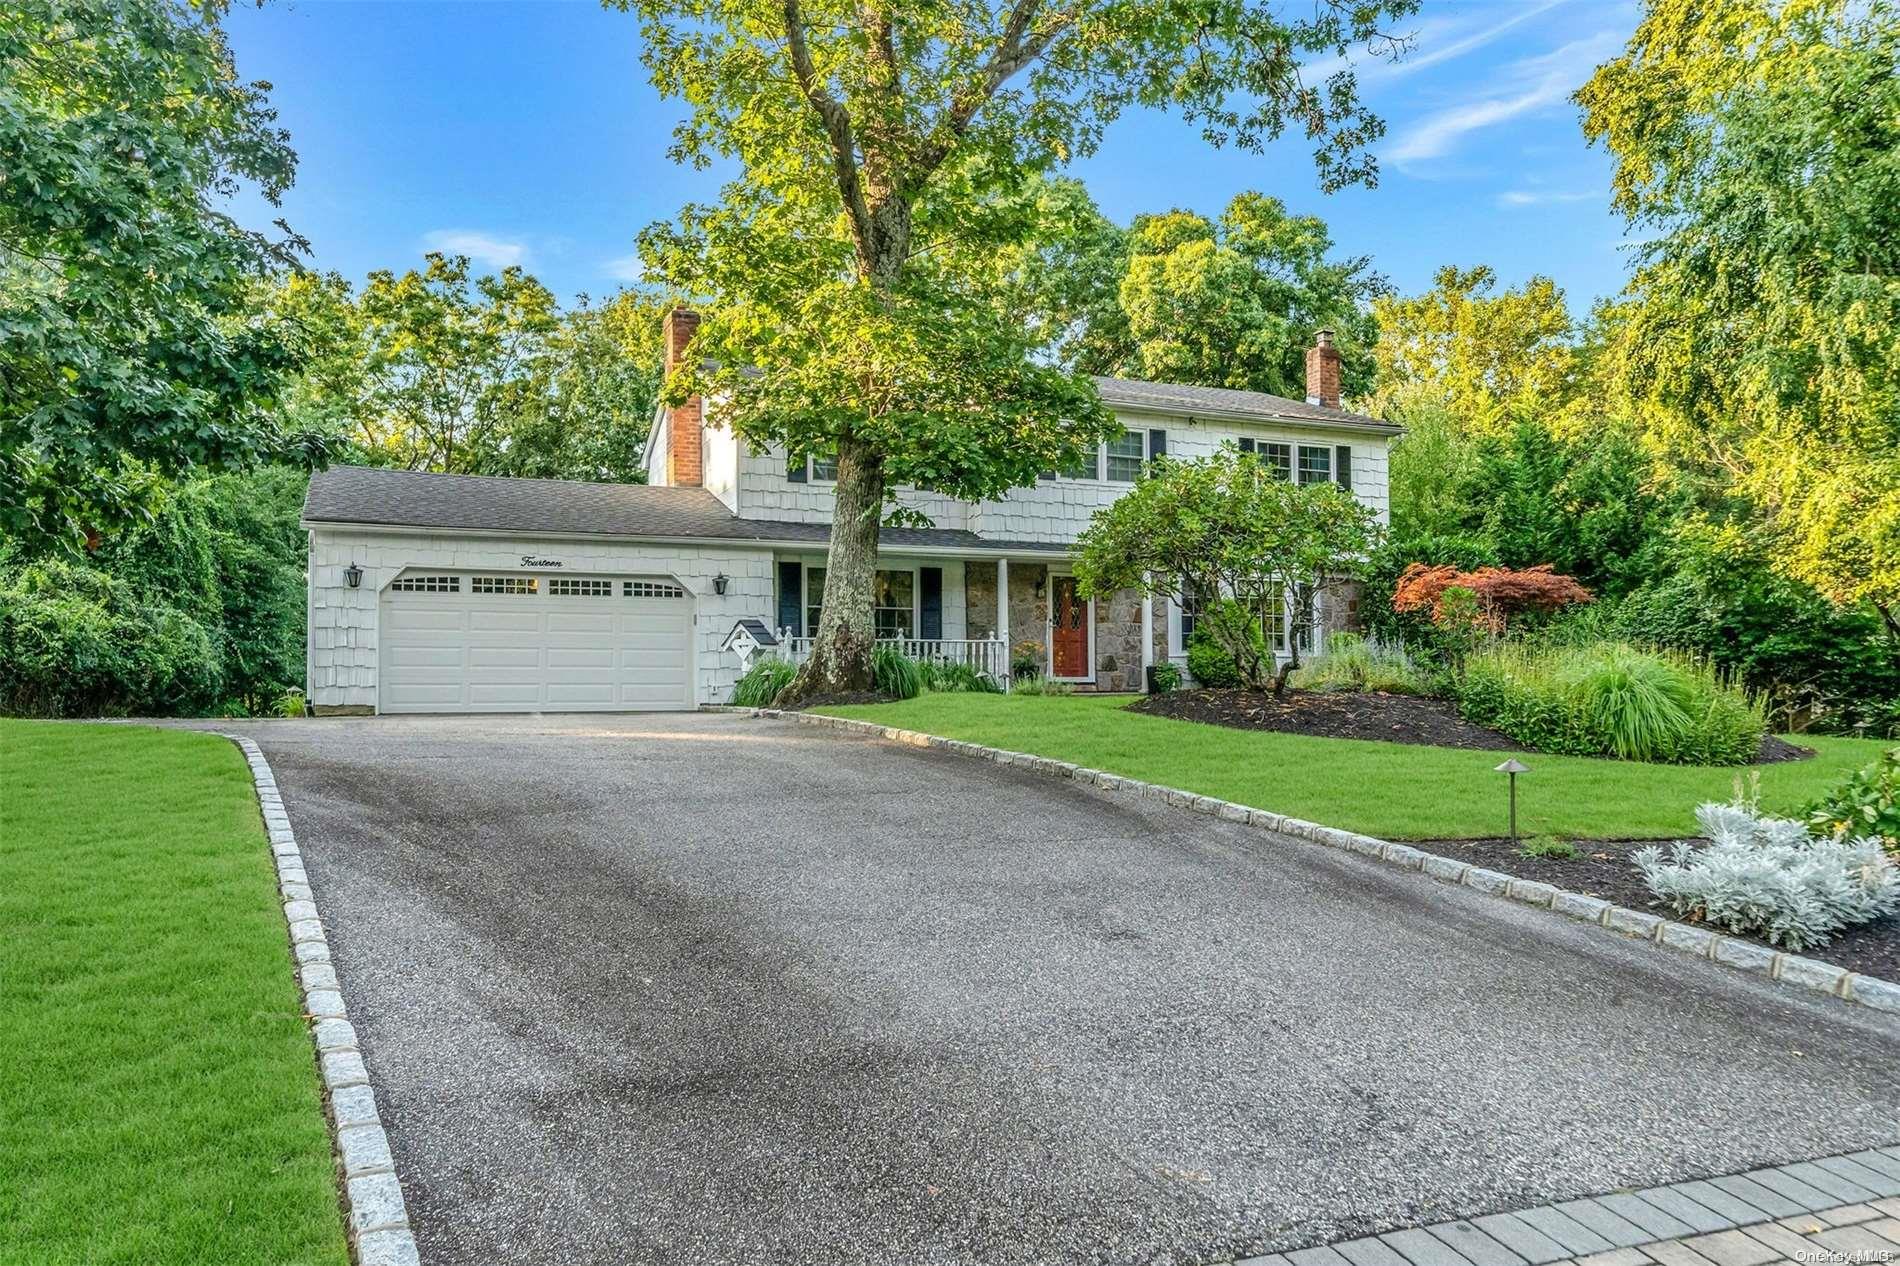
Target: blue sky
{"points": [[526, 132]]}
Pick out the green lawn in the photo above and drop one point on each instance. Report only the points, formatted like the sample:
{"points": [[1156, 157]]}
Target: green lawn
{"points": [[1386, 789], [158, 1089]]}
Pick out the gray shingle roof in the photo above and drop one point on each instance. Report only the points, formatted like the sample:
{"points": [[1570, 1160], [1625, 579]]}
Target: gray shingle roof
{"points": [[417, 499], [1169, 397]]}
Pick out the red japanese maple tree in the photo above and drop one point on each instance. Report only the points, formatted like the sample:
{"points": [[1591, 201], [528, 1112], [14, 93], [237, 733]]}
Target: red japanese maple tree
{"points": [[1502, 593]]}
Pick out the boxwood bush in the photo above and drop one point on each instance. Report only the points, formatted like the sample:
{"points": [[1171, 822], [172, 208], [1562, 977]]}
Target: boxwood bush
{"points": [[1612, 700]]}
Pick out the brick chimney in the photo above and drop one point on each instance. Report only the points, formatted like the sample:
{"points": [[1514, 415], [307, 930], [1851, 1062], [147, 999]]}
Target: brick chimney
{"points": [[1322, 371], [685, 465]]}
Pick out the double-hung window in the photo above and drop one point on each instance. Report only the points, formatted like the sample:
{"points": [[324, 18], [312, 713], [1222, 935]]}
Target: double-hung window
{"points": [[1125, 456], [893, 602], [1316, 464], [1192, 600], [824, 466], [1278, 459]]}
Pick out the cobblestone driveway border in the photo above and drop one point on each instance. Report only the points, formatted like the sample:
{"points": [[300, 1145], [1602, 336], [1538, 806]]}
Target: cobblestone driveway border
{"points": [[378, 1218], [1732, 952]]}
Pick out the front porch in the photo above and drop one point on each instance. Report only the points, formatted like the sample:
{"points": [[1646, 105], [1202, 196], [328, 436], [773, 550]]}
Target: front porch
{"points": [[1007, 617]]}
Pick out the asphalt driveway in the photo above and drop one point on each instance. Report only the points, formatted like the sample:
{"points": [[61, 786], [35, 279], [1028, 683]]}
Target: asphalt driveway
{"points": [[709, 989]]}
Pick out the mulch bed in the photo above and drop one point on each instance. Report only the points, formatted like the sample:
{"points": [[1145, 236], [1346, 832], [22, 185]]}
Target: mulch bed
{"points": [[1362, 714], [1602, 868], [1355, 714]]}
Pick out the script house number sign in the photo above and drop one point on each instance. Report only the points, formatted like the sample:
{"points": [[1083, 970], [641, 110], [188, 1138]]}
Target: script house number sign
{"points": [[529, 560]]}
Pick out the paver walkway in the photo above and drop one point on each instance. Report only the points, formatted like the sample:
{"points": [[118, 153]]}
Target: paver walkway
{"points": [[1839, 1209]]}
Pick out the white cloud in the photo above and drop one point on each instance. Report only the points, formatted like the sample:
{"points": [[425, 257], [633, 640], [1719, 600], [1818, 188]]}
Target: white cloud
{"points": [[1538, 83], [481, 247], [1539, 197], [624, 268], [1432, 41]]}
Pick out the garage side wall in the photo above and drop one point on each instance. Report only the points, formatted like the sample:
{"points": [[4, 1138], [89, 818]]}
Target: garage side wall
{"points": [[343, 632]]}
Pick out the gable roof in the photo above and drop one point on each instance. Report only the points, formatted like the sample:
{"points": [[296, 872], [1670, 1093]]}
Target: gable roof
{"points": [[371, 496], [1226, 403]]}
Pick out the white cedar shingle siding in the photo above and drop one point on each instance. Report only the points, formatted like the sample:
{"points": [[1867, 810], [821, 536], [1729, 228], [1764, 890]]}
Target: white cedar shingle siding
{"points": [[1057, 510], [343, 646]]}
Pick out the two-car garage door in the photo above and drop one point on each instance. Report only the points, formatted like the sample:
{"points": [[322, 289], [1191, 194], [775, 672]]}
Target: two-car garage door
{"points": [[471, 642]]}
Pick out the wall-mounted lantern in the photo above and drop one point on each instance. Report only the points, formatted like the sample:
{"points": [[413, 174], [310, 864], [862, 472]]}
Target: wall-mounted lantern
{"points": [[1513, 767], [720, 582], [352, 575]]}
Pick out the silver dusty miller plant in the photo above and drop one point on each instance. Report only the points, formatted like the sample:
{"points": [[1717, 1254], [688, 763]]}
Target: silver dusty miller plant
{"points": [[1768, 877]]}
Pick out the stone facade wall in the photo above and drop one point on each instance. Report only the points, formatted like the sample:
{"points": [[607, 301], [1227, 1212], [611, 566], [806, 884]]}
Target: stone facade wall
{"points": [[1339, 610], [979, 598], [1028, 614], [1118, 641]]}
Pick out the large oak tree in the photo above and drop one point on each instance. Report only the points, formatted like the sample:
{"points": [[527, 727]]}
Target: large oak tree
{"points": [[857, 306]]}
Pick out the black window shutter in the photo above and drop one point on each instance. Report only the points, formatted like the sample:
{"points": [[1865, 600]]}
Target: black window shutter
{"points": [[791, 596], [1342, 466], [930, 607], [1157, 444], [795, 468], [1246, 444]]}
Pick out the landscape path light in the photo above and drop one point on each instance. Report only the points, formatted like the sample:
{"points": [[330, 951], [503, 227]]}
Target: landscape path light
{"points": [[1513, 767]]}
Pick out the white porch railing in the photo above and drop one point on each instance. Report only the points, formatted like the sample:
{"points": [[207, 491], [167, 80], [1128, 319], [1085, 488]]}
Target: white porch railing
{"points": [[987, 655]]}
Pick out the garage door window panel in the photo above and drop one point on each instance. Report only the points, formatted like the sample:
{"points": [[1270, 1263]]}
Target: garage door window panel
{"points": [[427, 584], [517, 586], [564, 587]]}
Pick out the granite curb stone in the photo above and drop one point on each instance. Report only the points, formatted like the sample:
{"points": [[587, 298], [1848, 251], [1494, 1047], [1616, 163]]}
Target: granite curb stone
{"points": [[1791, 969], [376, 1215]]}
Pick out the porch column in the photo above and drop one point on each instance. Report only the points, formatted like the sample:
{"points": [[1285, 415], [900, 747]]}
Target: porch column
{"points": [[1147, 631], [1002, 606]]}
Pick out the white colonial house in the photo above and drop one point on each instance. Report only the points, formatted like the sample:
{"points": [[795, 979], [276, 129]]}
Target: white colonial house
{"points": [[460, 593]]}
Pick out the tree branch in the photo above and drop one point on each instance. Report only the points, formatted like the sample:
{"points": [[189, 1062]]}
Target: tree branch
{"points": [[837, 124], [1016, 48]]}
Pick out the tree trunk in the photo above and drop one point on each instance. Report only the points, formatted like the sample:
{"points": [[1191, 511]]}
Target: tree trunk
{"points": [[1286, 669], [841, 648]]}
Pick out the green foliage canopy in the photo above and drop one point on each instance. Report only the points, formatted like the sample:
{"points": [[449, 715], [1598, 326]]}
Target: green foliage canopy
{"points": [[129, 346], [440, 369], [1757, 139]]}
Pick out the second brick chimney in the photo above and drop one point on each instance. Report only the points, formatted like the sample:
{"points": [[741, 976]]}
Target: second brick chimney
{"points": [[1322, 371], [685, 460]]}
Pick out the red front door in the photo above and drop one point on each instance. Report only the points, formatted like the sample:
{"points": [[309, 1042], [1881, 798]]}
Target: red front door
{"points": [[1069, 636]]}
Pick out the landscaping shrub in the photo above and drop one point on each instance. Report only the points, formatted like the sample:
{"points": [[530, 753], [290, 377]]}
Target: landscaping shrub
{"points": [[1211, 664], [1167, 676], [1768, 877], [760, 684], [1351, 662], [1865, 803], [1548, 846], [952, 677], [76, 642], [894, 673], [1611, 700]]}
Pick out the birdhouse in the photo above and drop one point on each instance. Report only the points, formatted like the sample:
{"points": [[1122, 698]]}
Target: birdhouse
{"points": [[748, 638]]}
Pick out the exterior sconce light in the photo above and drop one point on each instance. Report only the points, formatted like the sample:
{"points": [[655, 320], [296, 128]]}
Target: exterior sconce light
{"points": [[1042, 584], [720, 582], [352, 575], [1513, 768]]}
